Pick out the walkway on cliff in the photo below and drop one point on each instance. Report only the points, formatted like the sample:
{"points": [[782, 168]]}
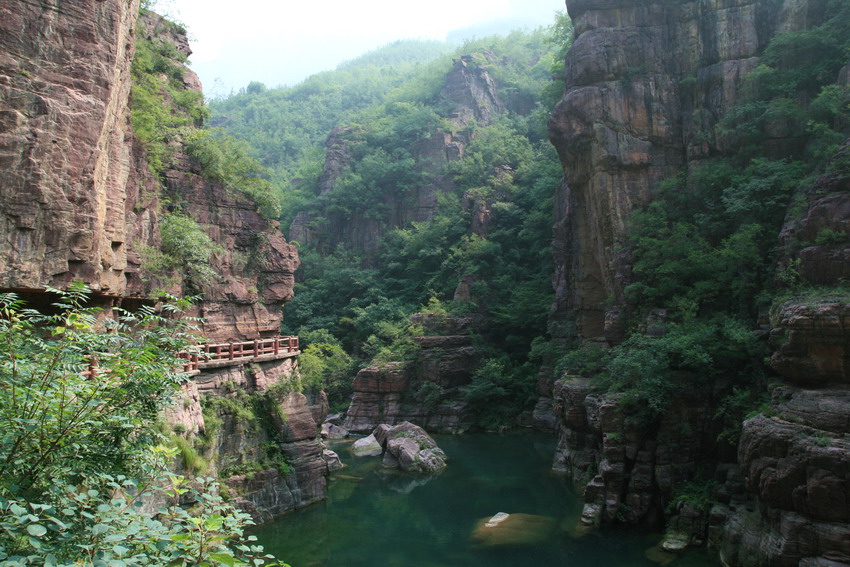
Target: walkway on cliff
{"points": [[230, 354]]}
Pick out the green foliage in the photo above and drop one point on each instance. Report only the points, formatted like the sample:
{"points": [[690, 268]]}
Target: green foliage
{"points": [[497, 393], [224, 158], [707, 243], [58, 424], [386, 123], [828, 237], [699, 494], [103, 523], [186, 250], [326, 366], [79, 454], [586, 361], [648, 371], [736, 407], [164, 111], [793, 93], [160, 105]]}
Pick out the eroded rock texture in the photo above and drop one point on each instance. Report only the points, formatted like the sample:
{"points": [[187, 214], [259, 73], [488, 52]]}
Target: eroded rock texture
{"points": [[79, 202], [239, 435], [423, 391], [77, 199], [254, 264], [628, 471], [66, 151], [646, 82], [796, 457]]}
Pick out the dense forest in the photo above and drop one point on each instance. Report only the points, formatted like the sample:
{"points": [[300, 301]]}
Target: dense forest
{"points": [[354, 302]]}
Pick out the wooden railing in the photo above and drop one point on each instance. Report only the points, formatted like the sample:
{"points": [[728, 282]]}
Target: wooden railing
{"points": [[225, 354]]}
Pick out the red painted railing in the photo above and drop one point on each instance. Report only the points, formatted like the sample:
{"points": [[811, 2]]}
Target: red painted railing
{"points": [[212, 354], [220, 354]]}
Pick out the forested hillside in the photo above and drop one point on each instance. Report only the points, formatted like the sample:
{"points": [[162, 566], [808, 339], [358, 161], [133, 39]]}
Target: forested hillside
{"points": [[434, 172]]}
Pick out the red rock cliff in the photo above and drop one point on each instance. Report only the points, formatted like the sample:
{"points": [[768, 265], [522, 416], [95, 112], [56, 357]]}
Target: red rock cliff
{"points": [[77, 199], [66, 152]]}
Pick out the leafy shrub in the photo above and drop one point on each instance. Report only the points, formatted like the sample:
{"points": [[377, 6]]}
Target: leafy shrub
{"points": [[160, 105], [326, 366], [228, 160], [186, 249], [79, 454]]}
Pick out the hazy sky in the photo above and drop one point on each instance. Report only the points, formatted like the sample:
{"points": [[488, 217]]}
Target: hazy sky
{"points": [[282, 42]]}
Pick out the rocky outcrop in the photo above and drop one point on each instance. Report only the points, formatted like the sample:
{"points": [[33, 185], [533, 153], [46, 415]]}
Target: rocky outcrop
{"points": [[262, 444], [472, 94], [473, 91], [404, 446], [626, 470], [255, 266], [795, 458], [816, 244], [646, 82], [410, 449], [78, 202], [423, 390], [814, 343]]}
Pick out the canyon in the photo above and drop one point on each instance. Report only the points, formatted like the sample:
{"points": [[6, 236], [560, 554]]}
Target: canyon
{"points": [[647, 84]]}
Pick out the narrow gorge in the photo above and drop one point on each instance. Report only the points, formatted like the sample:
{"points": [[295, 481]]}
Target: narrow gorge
{"points": [[629, 232]]}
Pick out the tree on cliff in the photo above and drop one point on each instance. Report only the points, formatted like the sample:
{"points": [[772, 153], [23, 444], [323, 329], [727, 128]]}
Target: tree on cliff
{"points": [[80, 459]]}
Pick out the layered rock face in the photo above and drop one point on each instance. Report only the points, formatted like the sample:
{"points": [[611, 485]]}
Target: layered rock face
{"points": [[79, 202], [646, 82], [244, 434], [796, 458], [255, 265], [422, 391], [627, 471], [66, 152]]}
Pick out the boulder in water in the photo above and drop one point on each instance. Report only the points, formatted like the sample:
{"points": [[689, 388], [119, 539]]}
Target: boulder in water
{"points": [[333, 460], [366, 447], [512, 530], [413, 449], [331, 431]]}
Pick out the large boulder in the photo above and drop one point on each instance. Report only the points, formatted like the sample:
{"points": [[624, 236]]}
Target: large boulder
{"points": [[366, 447], [410, 448], [333, 460], [331, 431]]}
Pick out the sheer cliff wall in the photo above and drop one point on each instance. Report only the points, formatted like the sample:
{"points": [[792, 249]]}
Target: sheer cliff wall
{"points": [[78, 202], [646, 82]]}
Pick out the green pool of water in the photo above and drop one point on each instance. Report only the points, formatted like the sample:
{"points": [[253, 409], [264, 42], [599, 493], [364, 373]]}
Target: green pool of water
{"points": [[374, 517]]}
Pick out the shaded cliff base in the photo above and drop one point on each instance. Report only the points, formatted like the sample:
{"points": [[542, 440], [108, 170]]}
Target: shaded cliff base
{"points": [[250, 426]]}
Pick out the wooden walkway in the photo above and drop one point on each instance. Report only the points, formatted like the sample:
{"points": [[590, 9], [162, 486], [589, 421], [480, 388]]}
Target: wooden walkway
{"points": [[230, 354]]}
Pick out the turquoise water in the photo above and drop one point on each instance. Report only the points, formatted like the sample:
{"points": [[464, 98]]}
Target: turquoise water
{"points": [[379, 518]]}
